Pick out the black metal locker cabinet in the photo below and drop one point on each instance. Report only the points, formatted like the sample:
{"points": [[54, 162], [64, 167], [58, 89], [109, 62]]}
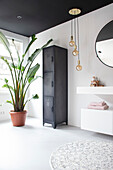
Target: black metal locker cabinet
{"points": [[55, 85]]}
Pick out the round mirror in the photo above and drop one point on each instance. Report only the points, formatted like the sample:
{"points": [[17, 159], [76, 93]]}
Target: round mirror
{"points": [[104, 45]]}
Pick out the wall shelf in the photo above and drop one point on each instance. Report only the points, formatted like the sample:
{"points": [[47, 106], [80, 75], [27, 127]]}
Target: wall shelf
{"points": [[108, 90]]}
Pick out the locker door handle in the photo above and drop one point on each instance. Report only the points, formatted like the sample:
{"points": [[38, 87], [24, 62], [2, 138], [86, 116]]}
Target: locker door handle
{"points": [[52, 109], [52, 84], [52, 59]]}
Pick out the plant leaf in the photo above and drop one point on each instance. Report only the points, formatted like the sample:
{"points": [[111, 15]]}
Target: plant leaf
{"points": [[13, 65], [19, 67], [47, 43], [16, 50], [37, 51], [22, 69], [6, 61], [31, 79], [8, 101], [6, 80], [35, 96], [32, 71], [7, 86], [34, 55], [5, 42], [31, 42]]}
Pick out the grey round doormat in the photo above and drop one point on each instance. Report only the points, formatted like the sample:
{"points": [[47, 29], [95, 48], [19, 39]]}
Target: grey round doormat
{"points": [[83, 155]]}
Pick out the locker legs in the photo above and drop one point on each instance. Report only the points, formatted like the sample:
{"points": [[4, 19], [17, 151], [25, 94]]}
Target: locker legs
{"points": [[54, 125]]}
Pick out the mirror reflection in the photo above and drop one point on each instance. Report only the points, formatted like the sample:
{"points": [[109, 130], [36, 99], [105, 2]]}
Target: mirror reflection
{"points": [[104, 45]]}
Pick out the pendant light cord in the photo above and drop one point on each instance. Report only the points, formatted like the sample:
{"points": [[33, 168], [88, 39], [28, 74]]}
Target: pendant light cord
{"points": [[78, 37], [75, 30], [71, 27]]}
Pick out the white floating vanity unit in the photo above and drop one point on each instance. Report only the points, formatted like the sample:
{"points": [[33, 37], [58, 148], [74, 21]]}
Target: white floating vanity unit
{"points": [[97, 120]]}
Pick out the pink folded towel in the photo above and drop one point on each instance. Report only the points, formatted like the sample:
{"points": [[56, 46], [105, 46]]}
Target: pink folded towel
{"points": [[105, 107], [98, 103]]}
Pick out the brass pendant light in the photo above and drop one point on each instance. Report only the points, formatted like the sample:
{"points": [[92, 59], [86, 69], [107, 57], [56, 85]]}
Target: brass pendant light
{"points": [[74, 22], [79, 67], [75, 51], [71, 43]]}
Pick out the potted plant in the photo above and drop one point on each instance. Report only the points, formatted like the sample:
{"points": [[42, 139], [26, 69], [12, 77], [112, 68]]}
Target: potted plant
{"points": [[22, 75]]}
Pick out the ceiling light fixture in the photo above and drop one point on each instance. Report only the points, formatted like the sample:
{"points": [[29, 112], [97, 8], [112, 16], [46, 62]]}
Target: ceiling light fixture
{"points": [[74, 23], [74, 11], [19, 17]]}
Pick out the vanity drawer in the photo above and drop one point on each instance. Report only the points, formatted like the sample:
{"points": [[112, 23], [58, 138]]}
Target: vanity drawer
{"points": [[97, 120]]}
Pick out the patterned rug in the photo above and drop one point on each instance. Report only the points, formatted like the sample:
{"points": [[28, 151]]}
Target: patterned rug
{"points": [[83, 155]]}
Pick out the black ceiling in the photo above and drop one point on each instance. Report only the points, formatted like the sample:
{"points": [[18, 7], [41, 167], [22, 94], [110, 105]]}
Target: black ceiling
{"points": [[39, 15]]}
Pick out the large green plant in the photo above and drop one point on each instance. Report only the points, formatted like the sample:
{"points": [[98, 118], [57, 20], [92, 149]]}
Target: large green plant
{"points": [[22, 75]]}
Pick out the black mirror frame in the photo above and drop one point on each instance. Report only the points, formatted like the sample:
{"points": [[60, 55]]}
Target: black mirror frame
{"points": [[96, 50]]}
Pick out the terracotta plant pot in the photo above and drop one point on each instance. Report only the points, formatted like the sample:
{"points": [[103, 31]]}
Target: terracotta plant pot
{"points": [[18, 118]]}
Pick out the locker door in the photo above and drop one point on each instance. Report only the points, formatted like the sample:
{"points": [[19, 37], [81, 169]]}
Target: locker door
{"points": [[48, 84], [48, 108], [48, 60]]}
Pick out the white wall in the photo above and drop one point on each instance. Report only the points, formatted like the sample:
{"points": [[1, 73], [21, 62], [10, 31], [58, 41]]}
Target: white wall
{"points": [[5, 108], [89, 25]]}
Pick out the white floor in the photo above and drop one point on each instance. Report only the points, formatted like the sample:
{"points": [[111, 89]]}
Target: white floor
{"points": [[30, 147]]}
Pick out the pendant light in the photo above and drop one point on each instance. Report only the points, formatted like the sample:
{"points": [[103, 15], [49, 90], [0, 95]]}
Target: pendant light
{"points": [[72, 43], [78, 67], [75, 51]]}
